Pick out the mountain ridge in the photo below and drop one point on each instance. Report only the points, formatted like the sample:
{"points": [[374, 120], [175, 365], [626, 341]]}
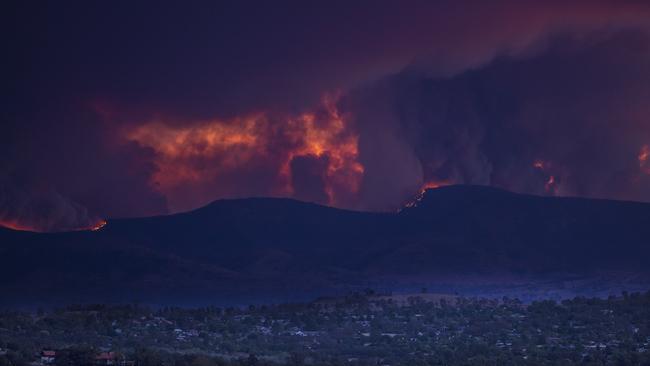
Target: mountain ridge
{"points": [[273, 246]]}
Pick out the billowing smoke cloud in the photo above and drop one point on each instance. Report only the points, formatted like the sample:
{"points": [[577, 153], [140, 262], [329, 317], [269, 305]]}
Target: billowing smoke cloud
{"points": [[570, 119], [42, 211], [311, 156], [129, 110], [70, 172]]}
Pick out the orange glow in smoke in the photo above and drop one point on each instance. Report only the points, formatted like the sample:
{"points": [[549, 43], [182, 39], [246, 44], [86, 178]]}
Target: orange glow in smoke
{"points": [[644, 154], [99, 225], [433, 185], [328, 138], [14, 225], [19, 226], [544, 166], [207, 151], [550, 184], [237, 141]]}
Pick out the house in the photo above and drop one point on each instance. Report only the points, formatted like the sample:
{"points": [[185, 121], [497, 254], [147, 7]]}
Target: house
{"points": [[48, 357], [106, 358]]}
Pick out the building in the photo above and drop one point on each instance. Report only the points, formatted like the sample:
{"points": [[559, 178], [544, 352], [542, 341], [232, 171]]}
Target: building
{"points": [[106, 358], [48, 357]]}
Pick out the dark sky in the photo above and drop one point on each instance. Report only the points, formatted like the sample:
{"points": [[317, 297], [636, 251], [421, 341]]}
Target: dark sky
{"points": [[122, 109]]}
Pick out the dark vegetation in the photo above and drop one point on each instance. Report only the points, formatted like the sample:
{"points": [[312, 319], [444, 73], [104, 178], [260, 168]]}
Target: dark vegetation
{"points": [[360, 329]]}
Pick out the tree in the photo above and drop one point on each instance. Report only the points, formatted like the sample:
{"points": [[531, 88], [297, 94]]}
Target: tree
{"points": [[77, 356], [147, 357], [251, 361]]}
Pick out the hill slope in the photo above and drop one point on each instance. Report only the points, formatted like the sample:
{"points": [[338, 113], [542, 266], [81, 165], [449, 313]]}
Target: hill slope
{"points": [[279, 249]]}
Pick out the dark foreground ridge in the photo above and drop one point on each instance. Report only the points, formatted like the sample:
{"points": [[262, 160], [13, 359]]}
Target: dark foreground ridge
{"points": [[459, 238]]}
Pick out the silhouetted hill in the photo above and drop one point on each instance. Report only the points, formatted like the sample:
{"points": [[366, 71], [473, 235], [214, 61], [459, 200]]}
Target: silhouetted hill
{"points": [[279, 249]]}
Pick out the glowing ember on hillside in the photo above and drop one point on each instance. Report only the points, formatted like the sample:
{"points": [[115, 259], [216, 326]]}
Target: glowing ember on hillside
{"points": [[418, 198], [19, 226], [14, 225], [99, 225], [433, 185]]}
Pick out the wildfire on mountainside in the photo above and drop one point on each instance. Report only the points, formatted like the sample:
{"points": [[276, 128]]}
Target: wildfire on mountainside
{"points": [[14, 225], [99, 225], [432, 184], [19, 226]]}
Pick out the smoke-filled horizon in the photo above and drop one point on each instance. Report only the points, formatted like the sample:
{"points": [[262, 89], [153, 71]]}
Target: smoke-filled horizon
{"points": [[122, 110]]}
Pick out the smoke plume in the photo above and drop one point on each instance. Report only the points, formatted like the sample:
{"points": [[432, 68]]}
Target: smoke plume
{"points": [[124, 110], [571, 118]]}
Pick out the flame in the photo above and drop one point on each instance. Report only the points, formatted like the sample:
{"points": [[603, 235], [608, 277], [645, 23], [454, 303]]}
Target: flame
{"points": [[644, 154], [415, 201], [206, 152], [99, 225], [433, 185], [550, 184], [539, 164], [20, 226], [15, 225]]}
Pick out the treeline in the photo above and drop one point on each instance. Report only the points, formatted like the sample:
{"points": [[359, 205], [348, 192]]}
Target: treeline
{"points": [[360, 329]]}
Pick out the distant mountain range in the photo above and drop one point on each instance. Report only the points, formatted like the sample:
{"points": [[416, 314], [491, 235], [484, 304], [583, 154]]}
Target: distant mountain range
{"points": [[271, 249]]}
